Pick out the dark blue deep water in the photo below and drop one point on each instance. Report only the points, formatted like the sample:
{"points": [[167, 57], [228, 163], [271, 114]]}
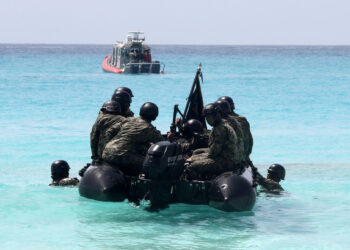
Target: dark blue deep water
{"points": [[297, 100]]}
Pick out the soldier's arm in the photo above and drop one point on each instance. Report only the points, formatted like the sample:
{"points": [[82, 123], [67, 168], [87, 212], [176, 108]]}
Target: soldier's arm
{"points": [[129, 113], [202, 140], [216, 142], [94, 137], [189, 145], [68, 182], [248, 133], [157, 136], [185, 147], [114, 130], [109, 152], [269, 184], [250, 140]]}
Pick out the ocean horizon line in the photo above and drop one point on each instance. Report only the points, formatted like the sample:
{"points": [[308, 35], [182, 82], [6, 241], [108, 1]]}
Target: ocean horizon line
{"points": [[201, 45]]}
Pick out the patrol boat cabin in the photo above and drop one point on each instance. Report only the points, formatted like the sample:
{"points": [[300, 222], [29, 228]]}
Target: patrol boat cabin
{"points": [[132, 56]]}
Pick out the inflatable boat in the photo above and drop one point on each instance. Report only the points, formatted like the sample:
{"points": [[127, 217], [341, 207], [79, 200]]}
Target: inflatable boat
{"points": [[161, 185]]}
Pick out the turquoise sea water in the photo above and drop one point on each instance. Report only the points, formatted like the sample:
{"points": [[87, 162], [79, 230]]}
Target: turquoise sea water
{"points": [[297, 100]]}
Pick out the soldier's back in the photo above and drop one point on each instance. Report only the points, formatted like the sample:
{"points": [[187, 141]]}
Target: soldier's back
{"points": [[236, 126], [247, 135], [103, 131], [223, 143], [110, 127], [135, 135]]}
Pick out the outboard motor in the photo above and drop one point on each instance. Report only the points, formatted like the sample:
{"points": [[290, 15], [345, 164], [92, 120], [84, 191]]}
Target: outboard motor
{"points": [[164, 161], [163, 165], [231, 193], [103, 183]]}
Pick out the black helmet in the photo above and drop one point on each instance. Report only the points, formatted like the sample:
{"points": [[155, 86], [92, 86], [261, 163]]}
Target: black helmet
{"points": [[111, 107], [229, 100], [59, 169], [224, 105], [278, 170], [121, 97], [192, 127], [149, 111], [125, 89], [211, 108], [105, 104]]}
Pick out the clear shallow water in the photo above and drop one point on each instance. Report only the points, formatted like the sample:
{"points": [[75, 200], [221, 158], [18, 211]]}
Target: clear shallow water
{"points": [[297, 102]]}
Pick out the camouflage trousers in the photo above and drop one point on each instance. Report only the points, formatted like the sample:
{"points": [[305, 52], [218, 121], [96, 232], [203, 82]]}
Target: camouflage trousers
{"points": [[129, 163], [203, 165]]}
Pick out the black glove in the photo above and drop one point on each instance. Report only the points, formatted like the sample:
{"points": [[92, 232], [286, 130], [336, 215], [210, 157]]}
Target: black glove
{"points": [[82, 171]]}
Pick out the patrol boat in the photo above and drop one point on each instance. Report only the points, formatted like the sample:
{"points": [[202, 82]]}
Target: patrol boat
{"points": [[132, 56]]}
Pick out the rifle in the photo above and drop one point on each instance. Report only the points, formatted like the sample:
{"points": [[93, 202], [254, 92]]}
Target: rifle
{"points": [[173, 124], [198, 74]]}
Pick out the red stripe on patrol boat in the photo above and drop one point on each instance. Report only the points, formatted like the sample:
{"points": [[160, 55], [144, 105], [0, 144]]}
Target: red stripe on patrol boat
{"points": [[108, 68]]}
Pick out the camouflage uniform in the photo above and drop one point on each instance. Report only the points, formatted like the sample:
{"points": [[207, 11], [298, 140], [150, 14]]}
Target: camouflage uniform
{"points": [[104, 129], [65, 182], [270, 185], [241, 153], [196, 142], [247, 135], [128, 149], [221, 155], [199, 152]]}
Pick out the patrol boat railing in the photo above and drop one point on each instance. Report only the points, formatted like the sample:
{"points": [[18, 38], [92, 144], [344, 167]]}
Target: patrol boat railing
{"points": [[144, 63]]}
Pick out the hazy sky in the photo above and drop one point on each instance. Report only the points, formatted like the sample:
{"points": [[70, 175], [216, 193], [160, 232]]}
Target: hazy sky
{"points": [[318, 22]]}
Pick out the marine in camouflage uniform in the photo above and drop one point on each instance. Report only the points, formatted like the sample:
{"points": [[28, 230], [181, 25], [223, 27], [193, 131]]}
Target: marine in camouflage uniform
{"points": [[247, 135], [196, 142], [118, 96], [221, 156], [244, 126], [275, 174], [105, 128], [124, 99], [193, 136], [60, 174], [128, 149], [226, 109], [270, 185]]}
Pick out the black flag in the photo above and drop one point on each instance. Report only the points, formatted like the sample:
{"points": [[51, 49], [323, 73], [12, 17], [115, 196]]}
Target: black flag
{"points": [[194, 105]]}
